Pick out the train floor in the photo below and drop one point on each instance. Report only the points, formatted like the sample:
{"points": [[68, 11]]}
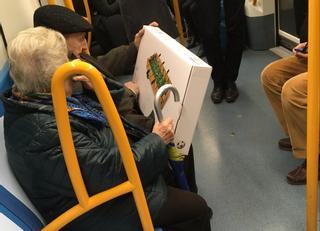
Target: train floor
{"points": [[240, 170]]}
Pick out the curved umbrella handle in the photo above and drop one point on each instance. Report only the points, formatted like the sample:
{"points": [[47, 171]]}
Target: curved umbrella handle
{"points": [[175, 157], [162, 90]]}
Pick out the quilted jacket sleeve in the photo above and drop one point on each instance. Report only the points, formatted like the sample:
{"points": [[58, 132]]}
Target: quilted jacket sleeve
{"points": [[99, 157]]}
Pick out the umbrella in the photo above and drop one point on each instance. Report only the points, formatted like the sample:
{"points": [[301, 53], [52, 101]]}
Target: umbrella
{"points": [[175, 156]]}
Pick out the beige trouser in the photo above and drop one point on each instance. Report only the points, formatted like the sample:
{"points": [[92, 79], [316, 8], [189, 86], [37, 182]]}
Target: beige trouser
{"points": [[285, 83]]}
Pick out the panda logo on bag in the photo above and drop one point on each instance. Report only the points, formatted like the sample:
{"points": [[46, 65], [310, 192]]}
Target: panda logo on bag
{"points": [[180, 144]]}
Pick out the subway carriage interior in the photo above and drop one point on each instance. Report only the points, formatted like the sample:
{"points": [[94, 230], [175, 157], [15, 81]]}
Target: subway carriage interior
{"points": [[240, 171]]}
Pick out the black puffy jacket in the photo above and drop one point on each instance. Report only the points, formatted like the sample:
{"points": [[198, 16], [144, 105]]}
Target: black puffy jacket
{"points": [[35, 156]]}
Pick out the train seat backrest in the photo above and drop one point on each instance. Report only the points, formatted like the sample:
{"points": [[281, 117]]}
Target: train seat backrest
{"points": [[15, 215], [16, 211]]}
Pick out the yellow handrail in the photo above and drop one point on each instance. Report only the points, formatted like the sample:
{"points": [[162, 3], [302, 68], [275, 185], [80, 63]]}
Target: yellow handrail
{"points": [[313, 115], [60, 108], [177, 14], [88, 12], [69, 4], [51, 2]]}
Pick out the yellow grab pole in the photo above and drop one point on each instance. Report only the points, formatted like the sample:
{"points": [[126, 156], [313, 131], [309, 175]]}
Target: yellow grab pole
{"points": [[69, 4], [93, 202], [87, 8], [88, 16], [64, 129], [178, 20], [51, 2], [313, 114]]}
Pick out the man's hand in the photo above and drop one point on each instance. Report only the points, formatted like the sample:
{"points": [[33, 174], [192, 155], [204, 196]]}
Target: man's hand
{"points": [[301, 50], [133, 87], [139, 35], [164, 130], [84, 80]]}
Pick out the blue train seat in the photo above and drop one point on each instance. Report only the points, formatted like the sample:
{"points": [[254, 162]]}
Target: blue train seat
{"points": [[19, 216]]}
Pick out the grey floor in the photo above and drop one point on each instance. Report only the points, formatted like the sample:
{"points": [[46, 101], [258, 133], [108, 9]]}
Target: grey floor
{"points": [[240, 170]]}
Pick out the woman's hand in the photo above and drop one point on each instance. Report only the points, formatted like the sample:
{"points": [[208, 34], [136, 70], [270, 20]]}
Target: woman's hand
{"points": [[139, 35], [84, 80], [164, 130]]}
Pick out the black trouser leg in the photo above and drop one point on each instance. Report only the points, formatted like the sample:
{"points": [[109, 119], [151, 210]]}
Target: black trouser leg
{"points": [[184, 211], [225, 67], [235, 23], [209, 20], [190, 171]]}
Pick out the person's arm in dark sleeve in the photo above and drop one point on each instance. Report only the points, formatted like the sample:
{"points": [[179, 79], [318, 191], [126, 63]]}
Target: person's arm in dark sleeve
{"points": [[103, 7], [120, 60]]}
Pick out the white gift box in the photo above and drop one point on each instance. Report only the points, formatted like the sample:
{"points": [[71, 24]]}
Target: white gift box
{"points": [[161, 59]]}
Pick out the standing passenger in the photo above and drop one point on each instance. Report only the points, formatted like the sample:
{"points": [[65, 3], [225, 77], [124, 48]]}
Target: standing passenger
{"points": [[225, 64]]}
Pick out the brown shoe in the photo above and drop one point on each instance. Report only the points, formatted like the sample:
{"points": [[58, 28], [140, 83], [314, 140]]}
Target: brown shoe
{"points": [[298, 176], [285, 144]]}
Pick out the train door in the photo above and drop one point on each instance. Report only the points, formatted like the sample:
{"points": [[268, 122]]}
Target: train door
{"points": [[292, 22]]}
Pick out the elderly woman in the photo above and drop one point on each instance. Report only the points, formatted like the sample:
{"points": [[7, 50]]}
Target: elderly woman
{"points": [[37, 160]]}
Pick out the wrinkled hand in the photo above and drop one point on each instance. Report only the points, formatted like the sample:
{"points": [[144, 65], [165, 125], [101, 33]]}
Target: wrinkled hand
{"points": [[84, 80], [132, 86], [139, 35], [300, 54], [164, 130]]}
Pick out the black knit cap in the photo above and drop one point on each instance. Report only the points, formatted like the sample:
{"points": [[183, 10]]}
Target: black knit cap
{"points": [[61, 19]]}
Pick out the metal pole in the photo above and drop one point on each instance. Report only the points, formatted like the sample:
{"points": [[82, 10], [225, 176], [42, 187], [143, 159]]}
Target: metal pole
{"points": [[313, 115]]}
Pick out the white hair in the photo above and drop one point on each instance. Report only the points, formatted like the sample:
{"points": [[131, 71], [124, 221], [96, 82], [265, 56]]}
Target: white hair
{"points": [[34, 55]]}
